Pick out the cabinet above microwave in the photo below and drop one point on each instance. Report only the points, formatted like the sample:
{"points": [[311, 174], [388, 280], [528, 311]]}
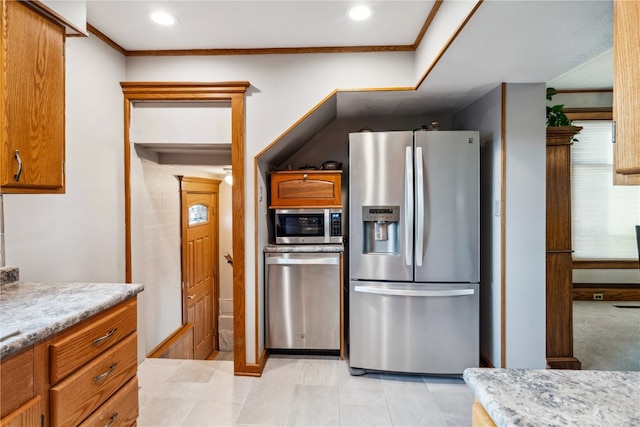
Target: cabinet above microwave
{"points": [[306, 188]]}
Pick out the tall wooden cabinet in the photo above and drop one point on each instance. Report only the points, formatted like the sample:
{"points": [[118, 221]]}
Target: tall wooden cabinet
{"points": [[559, 275], [32, 105], [626, 87]]}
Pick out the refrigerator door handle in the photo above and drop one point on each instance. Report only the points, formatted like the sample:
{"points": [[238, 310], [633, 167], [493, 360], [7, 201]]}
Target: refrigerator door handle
{"points": [[413, 292], [408, 205], [419, 207]]}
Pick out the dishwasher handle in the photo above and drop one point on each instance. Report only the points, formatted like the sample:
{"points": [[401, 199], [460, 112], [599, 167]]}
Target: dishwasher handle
{"points": [[303, 261], [414, 292]]}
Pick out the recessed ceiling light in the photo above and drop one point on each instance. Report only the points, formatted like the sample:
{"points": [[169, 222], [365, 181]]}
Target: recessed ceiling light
{"points": [[360, 12], [163, 18]]}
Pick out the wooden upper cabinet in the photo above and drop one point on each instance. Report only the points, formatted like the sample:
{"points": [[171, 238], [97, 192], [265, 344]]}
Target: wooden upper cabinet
{"points": [[626, 86], [32, 104], [306, 188]]}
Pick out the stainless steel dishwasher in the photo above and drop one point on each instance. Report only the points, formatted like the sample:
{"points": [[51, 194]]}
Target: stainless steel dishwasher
{"points": [[302, 301]]}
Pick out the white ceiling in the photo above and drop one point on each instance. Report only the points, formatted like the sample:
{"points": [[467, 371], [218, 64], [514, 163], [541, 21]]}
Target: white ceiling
{"points": [[566, 44], [243, 24], [505, 41]]}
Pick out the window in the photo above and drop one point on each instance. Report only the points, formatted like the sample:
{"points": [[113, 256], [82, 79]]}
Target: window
{"points": [[603, 215], [198, 214]]}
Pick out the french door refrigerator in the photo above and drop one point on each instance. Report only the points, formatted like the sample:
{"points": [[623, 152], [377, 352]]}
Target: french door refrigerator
{"points": [[414, 251]]}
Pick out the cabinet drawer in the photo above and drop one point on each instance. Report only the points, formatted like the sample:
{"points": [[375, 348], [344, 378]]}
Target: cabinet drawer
{"points": [[76, 397], [120, 410], [306, 189], [16, 381], [85, 341]]}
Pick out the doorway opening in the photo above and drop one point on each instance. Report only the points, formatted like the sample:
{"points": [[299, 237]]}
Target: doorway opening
{"points": [[233, 93]]}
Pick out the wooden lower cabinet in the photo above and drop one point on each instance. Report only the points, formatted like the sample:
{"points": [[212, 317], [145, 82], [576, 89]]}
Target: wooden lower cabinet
{"points": [[479, 417], [29, 414], [83, 376]]}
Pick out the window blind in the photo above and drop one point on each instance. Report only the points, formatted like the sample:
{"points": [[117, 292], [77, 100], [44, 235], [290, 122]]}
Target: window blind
{"points": [[603, 215]]}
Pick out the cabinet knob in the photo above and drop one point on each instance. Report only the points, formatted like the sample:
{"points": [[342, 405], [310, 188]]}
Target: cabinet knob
{"points": [[305, 176], [17, 175]]}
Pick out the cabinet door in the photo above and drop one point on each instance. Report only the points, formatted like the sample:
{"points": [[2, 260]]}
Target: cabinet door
{"points": [[28, 415], [626, 85], [32, 101], [306, 189]]}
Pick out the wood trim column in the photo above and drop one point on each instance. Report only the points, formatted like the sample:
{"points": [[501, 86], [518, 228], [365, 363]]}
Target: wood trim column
{"points": [[559, 281]]}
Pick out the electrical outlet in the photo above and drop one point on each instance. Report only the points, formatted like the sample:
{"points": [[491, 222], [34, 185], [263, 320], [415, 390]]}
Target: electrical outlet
{"points": [[598, 296]]}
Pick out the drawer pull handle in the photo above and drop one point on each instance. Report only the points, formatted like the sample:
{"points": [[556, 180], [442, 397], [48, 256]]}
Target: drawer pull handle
{"points": [[108, 335], [112, 420], [106, 374]]}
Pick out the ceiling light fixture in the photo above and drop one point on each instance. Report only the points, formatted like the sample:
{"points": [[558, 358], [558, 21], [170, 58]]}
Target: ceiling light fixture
{"points": [[360, 12], [163, 18]]}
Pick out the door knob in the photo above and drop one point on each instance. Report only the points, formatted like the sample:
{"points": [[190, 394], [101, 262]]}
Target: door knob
{"points": [[191, 296]]}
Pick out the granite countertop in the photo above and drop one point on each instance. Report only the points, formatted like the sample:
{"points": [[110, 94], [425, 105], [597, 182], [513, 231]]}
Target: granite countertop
{"points": [[31, 312], [337, 247], [536, 397]]}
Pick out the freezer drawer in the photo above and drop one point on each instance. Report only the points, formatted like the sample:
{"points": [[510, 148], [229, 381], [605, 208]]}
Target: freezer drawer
{"points": [[302, 301], [414, 328]]}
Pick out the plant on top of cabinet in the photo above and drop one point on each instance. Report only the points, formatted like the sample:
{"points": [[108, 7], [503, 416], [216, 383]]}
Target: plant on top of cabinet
{"points": [[32, 102]]}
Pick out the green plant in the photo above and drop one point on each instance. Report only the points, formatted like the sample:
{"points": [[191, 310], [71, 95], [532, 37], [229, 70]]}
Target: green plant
{"points": [[555, 116]]}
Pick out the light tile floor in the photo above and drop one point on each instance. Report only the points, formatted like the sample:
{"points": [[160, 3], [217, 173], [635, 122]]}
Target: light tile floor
{"points": [[295, 391]]}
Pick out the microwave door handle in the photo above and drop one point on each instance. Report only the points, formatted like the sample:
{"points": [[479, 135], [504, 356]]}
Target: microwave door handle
{"points": [[408, 205], [327, 225]]}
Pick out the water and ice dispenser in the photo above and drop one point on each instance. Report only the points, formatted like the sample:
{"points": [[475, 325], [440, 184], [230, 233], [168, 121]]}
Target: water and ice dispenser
{"points": [[381, 224]]}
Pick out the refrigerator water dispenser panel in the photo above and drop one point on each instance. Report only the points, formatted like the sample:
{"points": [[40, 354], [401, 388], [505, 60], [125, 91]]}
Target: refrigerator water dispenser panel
{"points": [[380, 229]]}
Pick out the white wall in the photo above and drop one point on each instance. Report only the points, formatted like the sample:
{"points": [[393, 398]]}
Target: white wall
{"points": [[525, 213], [485, 116], [78, 236], [524, 208], [226, 244]]}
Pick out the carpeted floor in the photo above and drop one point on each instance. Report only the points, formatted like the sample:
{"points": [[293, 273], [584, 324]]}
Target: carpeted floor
{"points": [[606, 335]]}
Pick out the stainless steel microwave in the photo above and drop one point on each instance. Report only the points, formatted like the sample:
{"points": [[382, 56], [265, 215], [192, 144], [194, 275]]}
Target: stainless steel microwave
{"points": [[308, 226]]}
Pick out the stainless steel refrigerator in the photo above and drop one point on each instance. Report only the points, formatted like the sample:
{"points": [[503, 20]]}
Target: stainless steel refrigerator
{"points": [[414, 251]]}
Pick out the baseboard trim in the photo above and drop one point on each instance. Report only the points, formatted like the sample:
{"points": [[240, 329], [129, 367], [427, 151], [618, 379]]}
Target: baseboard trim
{"points": [[178, 345], [254, 369], [563, 363], [613, 292]]}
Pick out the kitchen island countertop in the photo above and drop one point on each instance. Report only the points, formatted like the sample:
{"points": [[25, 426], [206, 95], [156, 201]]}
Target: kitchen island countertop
{"points": [[31, 312], [536, 397]]}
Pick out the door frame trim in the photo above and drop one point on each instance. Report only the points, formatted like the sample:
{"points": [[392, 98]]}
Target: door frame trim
{"points": [[185, 91]]}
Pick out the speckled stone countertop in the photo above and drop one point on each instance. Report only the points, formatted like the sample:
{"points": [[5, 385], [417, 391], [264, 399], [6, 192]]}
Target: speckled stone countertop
{"points": [[304, 248], [31, 312], [538, 397]]}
